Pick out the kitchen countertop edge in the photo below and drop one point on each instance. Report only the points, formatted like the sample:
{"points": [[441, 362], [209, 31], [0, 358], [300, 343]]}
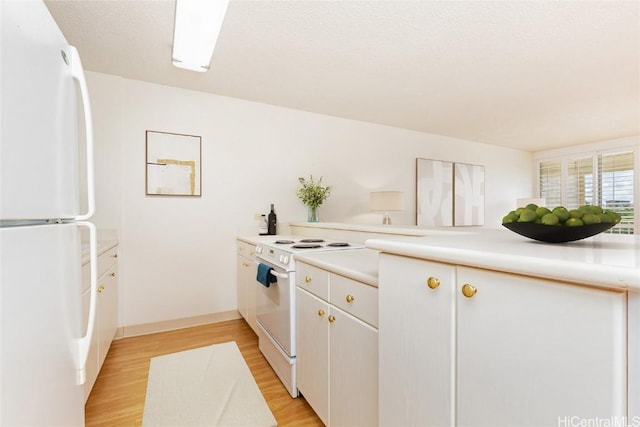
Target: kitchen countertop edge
{"points": [[351, 263], [502, 257]]}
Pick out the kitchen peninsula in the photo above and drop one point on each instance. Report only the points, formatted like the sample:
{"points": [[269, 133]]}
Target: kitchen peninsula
{"points": [[491, 328]]}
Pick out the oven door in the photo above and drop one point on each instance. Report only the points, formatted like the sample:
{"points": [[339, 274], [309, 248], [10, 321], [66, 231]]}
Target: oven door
{"points": [[276, 309]]}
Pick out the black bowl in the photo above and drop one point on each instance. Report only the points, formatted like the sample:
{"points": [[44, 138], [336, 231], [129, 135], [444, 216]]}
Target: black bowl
{"points": [[556, 233]]}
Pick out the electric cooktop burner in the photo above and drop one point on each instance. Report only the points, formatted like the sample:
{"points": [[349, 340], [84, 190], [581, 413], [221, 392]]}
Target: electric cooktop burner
{"points": [[339, 244], [306, 245], [283, 242], [311, 241]]}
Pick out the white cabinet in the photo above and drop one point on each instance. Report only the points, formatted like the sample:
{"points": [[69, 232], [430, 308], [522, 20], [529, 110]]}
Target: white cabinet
{"points": [[337, 348], [312, 358], [514, 351], [247, 285], [416, 332], [106, 323]]}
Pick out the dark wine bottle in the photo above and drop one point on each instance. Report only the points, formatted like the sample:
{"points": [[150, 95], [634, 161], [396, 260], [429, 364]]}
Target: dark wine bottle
{"points": [[271, 222]]}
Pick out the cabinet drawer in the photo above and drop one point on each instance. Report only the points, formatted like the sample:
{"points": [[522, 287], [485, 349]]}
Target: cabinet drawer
{"points": [[106, 260], [355, 298], [246, 249], [313, 279]]}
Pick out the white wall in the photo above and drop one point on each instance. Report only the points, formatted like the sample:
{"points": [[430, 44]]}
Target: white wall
{"points": [[178, 253]]}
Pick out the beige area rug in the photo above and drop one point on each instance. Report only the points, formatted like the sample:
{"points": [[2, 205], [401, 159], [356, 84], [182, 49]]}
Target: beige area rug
{"points": [[207, 386]]}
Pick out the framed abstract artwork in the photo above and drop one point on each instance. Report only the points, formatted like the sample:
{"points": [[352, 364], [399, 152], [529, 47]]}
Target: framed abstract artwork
{"points": [[173, 164], [449, 194], [434, 193], [468, 189]]}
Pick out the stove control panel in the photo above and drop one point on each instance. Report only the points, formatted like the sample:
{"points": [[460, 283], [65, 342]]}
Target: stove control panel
{"points": [[275, 257]]}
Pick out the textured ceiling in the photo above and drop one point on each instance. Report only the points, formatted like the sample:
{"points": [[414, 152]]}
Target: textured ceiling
{"points": [[530, 75]]}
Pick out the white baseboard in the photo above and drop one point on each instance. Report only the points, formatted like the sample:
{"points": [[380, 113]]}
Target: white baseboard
{"points": [[170, 325]]}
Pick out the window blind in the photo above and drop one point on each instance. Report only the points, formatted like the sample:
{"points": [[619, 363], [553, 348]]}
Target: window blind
{"points": [[604, 179], [579, 189], [615, 187], [550, 173]]}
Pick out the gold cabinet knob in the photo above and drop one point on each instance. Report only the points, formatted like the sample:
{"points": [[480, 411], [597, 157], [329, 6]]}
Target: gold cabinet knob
{"points": [[331, 319], [469, 290], [100, 288], [307, 279], [432, 282], [245, 264], [321, 312], [350, 298], [115, 255], [113, 274]]}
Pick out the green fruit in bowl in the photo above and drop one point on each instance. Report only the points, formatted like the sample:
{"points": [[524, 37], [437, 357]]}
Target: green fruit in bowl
{"points": [[614, 216], [592, 209], [590, 218], [605, 218], [562, 213], [574, 222], [509, 218], [531, 206], [576, 213], [550, 219], [542, 211], [527, 215]]}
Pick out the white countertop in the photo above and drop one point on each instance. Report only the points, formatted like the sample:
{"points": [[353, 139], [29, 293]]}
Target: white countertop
{"points": [[392, 230], [357, 264], [257, 239], [605, 260]]}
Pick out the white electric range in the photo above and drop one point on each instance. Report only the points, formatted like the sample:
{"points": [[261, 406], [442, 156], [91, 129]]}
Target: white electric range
{"points": [[276, 309]]}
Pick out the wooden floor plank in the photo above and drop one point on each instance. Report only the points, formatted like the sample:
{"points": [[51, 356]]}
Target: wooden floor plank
{"points": [[117, 398]]}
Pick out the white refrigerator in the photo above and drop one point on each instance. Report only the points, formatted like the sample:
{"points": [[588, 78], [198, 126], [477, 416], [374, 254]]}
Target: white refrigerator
{"points": [[44, 336]]}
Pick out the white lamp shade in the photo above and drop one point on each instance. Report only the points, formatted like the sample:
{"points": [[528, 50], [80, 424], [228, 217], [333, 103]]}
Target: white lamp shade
{"points": [[387, 201]]}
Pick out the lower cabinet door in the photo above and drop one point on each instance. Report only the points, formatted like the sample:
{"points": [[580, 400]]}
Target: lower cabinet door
{"points": [[312, 358], [353, 371], [107, 313], [536, 352], [416, 333], [243, 274]]}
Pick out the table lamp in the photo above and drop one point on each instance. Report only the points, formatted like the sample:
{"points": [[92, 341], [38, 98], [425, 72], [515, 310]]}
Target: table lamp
{"points": [[387, 201]]}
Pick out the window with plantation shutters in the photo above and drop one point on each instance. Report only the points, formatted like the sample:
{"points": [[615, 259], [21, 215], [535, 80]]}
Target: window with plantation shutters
{"points": [[604, 179], [551, 182], [615, 187], [579, 187]]}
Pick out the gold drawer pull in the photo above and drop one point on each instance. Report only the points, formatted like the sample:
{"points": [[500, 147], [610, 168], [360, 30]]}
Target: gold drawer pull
{"points": [[469, 290], [433, 283], [350, 298], [115, 255], [321, 312], [100, 288], [307, 279], [331, 319], [113, 274], [245, 264]]}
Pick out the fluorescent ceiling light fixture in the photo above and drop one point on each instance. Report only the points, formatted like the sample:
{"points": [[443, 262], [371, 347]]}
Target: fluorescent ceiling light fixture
{"points": [[195, 32]]}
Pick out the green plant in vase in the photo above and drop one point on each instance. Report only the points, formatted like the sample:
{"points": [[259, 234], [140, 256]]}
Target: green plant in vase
{"points": [[313, 194]]}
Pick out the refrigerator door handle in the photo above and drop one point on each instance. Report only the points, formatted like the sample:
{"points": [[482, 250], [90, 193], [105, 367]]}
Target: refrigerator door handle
{"points": [[78, 74], [84, 343]]}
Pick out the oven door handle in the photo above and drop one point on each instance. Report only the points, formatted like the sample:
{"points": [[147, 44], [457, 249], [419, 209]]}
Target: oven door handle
{"points": [[275, 273], [280, 275]]}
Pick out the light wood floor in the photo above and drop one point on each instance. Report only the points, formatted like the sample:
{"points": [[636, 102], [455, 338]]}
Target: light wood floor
{"points": [[117, 398]]}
